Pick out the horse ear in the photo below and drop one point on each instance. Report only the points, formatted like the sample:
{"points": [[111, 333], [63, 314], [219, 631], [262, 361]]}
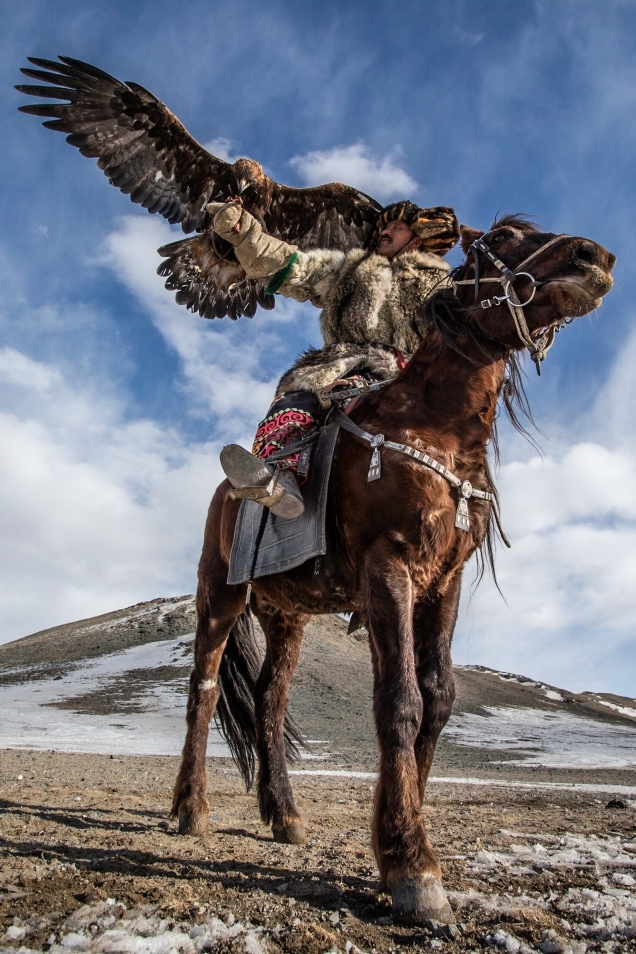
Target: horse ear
{"points": [[468, 236]]}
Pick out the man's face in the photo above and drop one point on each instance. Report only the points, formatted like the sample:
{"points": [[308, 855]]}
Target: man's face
{"points": [[396, 237]]}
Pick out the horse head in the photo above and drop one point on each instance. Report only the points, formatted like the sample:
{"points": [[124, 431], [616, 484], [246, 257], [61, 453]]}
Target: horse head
{"points": [[518, 285]]}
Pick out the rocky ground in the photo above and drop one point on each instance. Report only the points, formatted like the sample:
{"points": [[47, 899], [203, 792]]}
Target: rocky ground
{"points": [[90, 860]]}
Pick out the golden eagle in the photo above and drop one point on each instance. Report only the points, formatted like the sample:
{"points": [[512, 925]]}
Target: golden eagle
{"points": [[146, 152]]}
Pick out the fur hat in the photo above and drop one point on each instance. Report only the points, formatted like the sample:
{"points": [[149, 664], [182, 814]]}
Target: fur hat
{"points": [[438, 227]]}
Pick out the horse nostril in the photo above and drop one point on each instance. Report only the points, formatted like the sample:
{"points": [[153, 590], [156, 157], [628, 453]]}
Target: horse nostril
{"points": [[611, 260], [586, 252]]}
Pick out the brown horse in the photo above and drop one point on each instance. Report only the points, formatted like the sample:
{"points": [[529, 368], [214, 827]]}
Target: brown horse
{"points": [[396, 548]]}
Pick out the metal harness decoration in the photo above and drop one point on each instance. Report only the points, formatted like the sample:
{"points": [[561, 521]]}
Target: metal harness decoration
{"points": [[539, 348], [464, 487]]}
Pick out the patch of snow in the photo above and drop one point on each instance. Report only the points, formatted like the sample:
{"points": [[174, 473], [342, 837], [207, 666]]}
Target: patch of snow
{"points": [[550, 739], [567, 852], [624, 710], [508, 942], [601, 912], [155, 726], [590, 788], [109, 928]]}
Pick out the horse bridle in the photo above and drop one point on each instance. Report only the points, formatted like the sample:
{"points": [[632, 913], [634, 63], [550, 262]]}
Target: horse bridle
{"points": [[507, 277]]}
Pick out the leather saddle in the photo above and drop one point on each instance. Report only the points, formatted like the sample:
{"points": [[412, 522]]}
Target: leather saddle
{"points": [[265, 543]]}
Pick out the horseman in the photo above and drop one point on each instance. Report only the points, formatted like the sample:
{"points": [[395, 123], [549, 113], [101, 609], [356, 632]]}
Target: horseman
{"points": [[371, 321]]}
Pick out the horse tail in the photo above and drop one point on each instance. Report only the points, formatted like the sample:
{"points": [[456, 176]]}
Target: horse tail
{"points": [[235, 712]]}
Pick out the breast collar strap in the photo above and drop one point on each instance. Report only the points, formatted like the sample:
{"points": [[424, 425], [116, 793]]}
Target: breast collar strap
{"points": [[507, 277], [464, 488]]}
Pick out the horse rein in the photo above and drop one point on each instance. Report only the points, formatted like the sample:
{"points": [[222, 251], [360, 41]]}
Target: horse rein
{"points": [[539, 349]]}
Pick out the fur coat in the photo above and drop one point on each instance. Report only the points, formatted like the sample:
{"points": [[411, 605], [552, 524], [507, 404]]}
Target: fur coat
{"points": [[371, 308]]}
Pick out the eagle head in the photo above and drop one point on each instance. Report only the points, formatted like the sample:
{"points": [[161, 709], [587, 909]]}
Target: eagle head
{"points": [[252, 185], [248, 174]]}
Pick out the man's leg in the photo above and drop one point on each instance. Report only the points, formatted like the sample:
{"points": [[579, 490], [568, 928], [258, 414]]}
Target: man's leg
{"points": [[273, 483]]}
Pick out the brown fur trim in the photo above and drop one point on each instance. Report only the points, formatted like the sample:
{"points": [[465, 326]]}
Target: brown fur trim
{"points": [[369, 301], [318, 368], [379, 300], [437, 227]]}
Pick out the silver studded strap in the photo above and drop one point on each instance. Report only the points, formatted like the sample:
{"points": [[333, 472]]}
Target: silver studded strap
{"points": [[464, 487]]}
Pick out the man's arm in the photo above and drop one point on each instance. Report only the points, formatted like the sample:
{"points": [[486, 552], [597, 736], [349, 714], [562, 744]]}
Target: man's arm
{"points": [[304, 276]]}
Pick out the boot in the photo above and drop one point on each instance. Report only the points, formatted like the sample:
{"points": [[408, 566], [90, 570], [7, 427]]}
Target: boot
{"points": [[255, 479]]}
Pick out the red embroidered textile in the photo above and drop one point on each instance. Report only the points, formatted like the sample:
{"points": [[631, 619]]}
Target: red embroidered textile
{"points": [[284, 424]]}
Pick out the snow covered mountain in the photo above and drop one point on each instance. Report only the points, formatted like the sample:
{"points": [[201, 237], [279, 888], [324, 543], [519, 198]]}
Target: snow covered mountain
{"points": [[117, 684]]}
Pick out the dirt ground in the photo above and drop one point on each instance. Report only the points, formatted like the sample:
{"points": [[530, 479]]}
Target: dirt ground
{"points": [[536, 859], [79, 832]]}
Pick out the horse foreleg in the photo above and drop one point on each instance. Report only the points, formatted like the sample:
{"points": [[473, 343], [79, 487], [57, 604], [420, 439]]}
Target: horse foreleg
{"points": [[218, 607], [409, 867], [283, 636], [433, 626]]}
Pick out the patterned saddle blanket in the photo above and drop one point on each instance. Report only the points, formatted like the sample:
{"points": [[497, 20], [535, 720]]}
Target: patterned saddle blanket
{"points": [[285, 543]]}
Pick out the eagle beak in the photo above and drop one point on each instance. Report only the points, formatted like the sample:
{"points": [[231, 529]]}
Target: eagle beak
{"points": [[241, 186]]}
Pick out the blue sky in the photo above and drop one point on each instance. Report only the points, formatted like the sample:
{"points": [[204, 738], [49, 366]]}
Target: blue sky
{"points": [[115, 402]]}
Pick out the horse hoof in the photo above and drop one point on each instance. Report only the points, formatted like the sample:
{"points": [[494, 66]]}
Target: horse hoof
{"points": [[420, 899], [193, 823], [293, 834]]}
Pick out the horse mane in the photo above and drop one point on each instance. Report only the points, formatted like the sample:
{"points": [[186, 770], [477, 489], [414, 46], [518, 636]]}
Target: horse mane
{"points": [[515, 220], [444, 311], [449, 317]]}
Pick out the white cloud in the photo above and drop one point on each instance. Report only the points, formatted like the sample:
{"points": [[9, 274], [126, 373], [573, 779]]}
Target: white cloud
{"points": [[229, 373], [570, 603], [222, 148], [96, 512], [18, 370], [466, 38], [586, 482], [381, 177], [613, 415]]}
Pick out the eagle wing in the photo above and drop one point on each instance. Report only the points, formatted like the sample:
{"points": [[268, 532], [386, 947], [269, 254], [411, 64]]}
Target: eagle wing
{"points": [[145, 151], [208, 279], [139, 144], [327, 216], [206, 276]]}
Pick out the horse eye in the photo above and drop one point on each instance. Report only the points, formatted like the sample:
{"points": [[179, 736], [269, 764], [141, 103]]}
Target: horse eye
{"points": [[501, 237]]}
